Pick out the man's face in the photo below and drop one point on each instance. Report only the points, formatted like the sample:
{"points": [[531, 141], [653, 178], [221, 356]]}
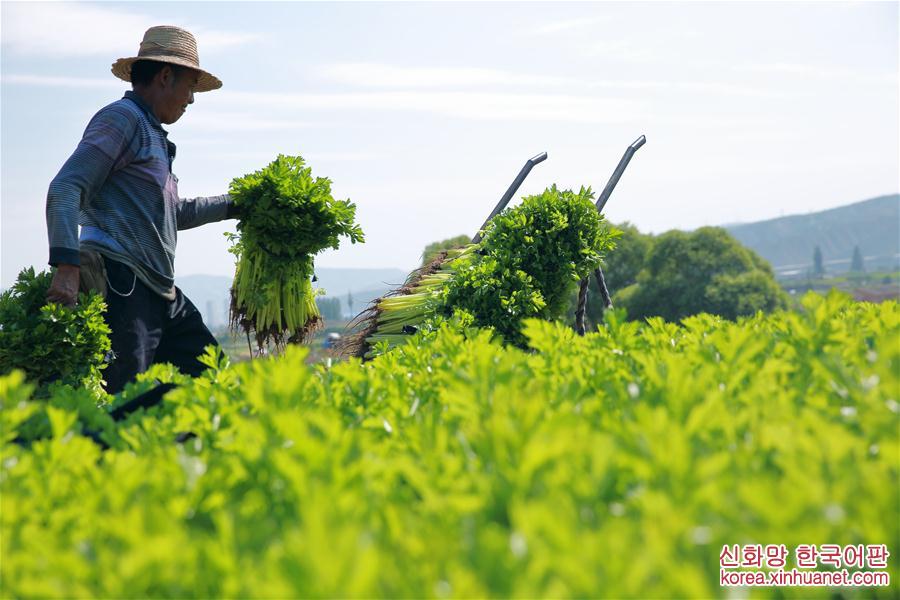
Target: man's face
{"points": [[177, 93]]}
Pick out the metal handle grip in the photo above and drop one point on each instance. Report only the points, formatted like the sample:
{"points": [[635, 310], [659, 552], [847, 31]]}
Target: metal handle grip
{"points": [[510, 191], [617, 174]]}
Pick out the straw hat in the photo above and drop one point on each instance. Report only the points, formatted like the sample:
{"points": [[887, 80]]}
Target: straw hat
{"points": [[168, 44]]}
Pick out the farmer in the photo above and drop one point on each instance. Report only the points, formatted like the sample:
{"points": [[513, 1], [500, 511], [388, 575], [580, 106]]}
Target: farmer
{"points": [[119, 186]]}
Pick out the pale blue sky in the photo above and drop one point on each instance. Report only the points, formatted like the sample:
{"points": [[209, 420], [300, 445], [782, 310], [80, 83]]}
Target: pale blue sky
{"points": [[422, 113]]}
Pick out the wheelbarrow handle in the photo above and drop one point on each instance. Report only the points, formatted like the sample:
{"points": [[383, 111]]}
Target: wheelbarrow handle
{"points": [[617, 174], [510, 191]]}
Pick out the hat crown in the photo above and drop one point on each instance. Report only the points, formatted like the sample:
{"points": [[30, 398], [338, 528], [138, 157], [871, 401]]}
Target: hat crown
{"points": [[167, 40], [168, 44]]}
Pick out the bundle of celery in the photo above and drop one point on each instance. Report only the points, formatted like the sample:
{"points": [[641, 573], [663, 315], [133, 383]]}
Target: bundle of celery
{"points": [[50, 342], [527, 264], [286, 217], [402, 312]]}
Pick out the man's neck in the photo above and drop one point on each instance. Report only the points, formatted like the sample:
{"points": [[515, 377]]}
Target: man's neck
{"points": [[145, 101], [148, 99]]}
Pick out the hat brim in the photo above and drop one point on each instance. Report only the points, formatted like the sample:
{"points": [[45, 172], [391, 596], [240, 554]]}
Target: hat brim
{"points": [[206, 82]]}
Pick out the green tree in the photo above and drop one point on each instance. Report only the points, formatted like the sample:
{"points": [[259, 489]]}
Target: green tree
{"points": [[330, 308], [857, 264], [620, 269], [349, 302], [702, 271], [732, 296], [622, 265], [432, 250], [818, 263]]}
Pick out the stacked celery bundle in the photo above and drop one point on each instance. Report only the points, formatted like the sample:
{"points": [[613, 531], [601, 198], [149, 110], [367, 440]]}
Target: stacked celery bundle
{"points": [[529, 261], [396, 316]]}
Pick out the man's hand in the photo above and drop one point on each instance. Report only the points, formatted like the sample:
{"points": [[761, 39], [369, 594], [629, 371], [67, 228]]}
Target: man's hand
{"points": [[64, 287]]}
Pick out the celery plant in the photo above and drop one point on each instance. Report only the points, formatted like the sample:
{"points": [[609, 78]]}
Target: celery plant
{"points": [[286, 217]]}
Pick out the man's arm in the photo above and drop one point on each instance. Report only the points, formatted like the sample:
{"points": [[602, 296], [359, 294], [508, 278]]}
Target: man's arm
{"points": [[193, 212], [103, 147]]}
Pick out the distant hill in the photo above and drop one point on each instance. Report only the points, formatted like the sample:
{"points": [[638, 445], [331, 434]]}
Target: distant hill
{"points": [[789, 242], [210, 295]]}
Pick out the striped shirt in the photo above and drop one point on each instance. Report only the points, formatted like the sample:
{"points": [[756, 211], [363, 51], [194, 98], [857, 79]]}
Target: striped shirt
{"points": [[119, 186]]}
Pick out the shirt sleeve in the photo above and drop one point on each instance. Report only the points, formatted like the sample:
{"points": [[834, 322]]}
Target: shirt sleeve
{"points": [[193, 212], [103, 148]]}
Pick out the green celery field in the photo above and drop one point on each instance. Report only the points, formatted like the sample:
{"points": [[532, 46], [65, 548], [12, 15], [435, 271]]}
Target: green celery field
{"points": [[612, 465]]}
